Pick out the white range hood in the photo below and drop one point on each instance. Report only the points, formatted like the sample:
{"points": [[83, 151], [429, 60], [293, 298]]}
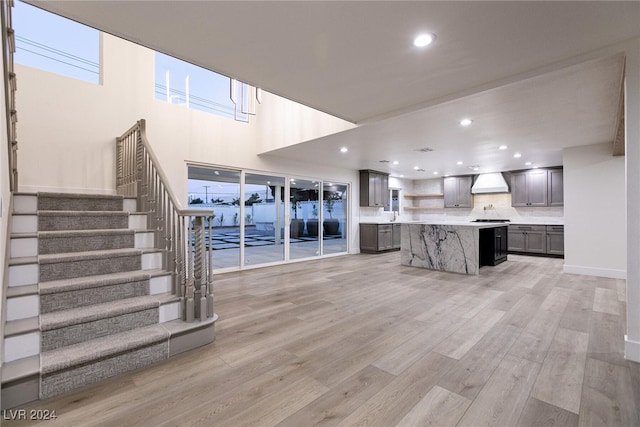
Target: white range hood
{"points": [[490, 183]]}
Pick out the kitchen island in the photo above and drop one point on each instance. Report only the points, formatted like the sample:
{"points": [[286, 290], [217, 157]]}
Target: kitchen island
{"points": [[452, 246]]}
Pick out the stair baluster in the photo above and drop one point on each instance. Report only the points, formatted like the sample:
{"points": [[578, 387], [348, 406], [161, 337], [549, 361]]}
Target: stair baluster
{"points": [[179, 233]]}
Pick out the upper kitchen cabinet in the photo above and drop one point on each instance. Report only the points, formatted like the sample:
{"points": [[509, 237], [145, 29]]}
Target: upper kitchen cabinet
{"points": [[555, 187], [457, 192], [374, 188], [529, 188], [537, 187]]}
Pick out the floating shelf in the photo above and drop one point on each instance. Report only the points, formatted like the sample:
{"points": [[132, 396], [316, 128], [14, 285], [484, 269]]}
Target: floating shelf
{"points": [[421, 208], [434, 195]]}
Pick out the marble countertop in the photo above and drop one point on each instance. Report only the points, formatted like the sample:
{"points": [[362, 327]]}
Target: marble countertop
{"points": [[519, 221], [464, 223]]}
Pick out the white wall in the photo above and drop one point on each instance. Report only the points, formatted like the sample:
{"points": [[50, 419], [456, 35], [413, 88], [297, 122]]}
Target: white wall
{"points": [[632, 148], [68, 129], [5, 197], [594, 210], [80, 120]]}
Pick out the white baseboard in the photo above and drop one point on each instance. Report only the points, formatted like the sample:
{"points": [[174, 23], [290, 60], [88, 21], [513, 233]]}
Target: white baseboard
{"points": [[631, 349], [599, 272], [75, 190]]}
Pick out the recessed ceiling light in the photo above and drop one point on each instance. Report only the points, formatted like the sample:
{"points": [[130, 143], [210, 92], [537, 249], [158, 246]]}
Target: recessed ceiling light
{"points": [[401, 176], [424, 40], [415, 168], [344, 149], [502, 147], [476, 169], [395, 162], [435, 172], [527, 164], [517, 155], [535, 167], [459, 163], [465, 122], [216, 172]]}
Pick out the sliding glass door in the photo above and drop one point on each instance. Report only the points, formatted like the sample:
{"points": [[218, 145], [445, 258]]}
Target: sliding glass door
{"points": [[268, 218], [335, 215], [304, 241], [219, 190], [263, 219]]}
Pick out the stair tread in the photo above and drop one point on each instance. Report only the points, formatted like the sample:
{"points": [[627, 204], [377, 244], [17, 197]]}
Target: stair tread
{"points": [[87, 255], [28, 235], [81, 233], [81, 213], [86, 282], [21, 326], [90, 313], [23, 260], [21, 368], [99, 348], [20, 291], [81, 196]]}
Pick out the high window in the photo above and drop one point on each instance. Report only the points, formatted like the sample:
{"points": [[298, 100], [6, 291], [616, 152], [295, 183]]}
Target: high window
{"points": [[52, 43], [179, 82]]}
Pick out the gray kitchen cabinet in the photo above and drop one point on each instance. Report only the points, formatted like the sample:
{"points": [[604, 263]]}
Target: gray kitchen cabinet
{"points": [[374, 188], [555, 187], [457, 192], [555, 239], [397, 235], [529, 188], [377, 238], [528, 238]]}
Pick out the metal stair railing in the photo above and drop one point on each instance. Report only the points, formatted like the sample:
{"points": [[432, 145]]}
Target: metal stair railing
{"points": [[183, 235]]}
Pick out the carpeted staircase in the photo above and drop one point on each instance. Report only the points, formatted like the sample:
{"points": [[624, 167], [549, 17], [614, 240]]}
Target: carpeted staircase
{"points": [[104, 305]]}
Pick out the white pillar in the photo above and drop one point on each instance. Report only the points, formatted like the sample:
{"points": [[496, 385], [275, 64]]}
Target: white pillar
{"points": [[632, 157]]}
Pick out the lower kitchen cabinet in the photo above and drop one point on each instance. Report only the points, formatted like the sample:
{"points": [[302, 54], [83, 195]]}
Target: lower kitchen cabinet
{"points": [[528, 238], [555, 239], [537, 239], [397, 235], [379, 237], [493, 245]]}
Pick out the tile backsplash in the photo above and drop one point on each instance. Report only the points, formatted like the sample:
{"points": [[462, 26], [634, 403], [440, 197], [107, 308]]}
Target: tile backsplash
{"points": [[493, 206]]}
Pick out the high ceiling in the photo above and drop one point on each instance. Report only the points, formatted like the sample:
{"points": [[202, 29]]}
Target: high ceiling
{"points": [[536, 76]]}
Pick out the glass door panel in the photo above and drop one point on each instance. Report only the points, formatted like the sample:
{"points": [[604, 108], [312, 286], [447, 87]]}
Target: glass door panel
{"points": [[334, 214], [304, 241], [263, 219], [219, 189]]}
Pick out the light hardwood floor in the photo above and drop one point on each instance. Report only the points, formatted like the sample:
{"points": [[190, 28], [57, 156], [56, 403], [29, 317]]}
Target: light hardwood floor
{"points": [[360, 340]]}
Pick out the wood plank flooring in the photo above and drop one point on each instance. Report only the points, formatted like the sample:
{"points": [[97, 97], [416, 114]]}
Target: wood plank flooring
{"points": [[361, 340]]}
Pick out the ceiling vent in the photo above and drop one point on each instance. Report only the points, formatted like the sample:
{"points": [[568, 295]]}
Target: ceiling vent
{"points": [[383, 161], [424, 150]]}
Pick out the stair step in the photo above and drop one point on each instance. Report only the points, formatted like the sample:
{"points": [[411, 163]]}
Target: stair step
{"points": [[23, 245], [22, 326], [81, 220], [64, 294], [79, 202], [69, 327], [25, 202], [69, 266], [74, 366], [24, 222], [51, 242]]}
